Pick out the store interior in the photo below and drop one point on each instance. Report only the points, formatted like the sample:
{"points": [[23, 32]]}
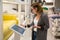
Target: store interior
{"points": [[16, 11]]}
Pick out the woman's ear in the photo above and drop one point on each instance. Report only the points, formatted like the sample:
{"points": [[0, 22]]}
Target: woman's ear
{"points": [[36, 9]]}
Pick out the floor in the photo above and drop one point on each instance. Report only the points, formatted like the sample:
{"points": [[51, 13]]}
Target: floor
{"points": [[28, 32]]}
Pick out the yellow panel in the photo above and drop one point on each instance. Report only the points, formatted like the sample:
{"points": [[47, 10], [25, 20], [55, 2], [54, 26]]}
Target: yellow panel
{"points": [[8, 20], [9, 17]]}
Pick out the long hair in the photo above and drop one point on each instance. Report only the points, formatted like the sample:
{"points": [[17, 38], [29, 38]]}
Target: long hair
{"points": [[38, 6]]}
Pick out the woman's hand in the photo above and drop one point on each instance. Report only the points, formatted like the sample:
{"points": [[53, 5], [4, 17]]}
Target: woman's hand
{"points": [[37, 27], [22, 25]]}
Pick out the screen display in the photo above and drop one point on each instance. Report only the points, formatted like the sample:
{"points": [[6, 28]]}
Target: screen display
{"points": [[18, 29]]}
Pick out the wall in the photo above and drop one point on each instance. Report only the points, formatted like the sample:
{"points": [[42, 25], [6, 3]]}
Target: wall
{"points": [[57, 3], [49, 0], [1, 27]]}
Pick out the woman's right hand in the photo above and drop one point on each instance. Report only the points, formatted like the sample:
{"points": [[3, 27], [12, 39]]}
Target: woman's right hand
{"points": [[22, 25]]}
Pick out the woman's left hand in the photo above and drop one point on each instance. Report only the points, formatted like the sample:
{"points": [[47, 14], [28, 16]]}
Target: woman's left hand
{"points": [[37, 27]]}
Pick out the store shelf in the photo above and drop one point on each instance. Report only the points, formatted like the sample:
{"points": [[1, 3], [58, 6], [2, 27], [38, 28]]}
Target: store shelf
{"points": [[10, 2], [48, 6]]}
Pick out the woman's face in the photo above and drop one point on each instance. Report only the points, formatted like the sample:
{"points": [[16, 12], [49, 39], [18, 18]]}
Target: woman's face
{"points": [[34, 10]]}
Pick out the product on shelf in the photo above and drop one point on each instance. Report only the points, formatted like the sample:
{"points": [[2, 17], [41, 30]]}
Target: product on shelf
{"points": [[55, 23]]}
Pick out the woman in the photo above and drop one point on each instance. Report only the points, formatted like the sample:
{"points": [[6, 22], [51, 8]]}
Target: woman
{"points": [[40, 22]]}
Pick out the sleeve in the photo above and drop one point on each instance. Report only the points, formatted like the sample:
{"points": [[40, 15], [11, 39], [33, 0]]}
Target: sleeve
{"points": [[29, 25], [24, 23], [46, 22]]}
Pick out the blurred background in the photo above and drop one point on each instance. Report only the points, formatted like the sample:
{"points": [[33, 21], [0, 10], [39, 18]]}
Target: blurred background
{"points": [[17, 11]]}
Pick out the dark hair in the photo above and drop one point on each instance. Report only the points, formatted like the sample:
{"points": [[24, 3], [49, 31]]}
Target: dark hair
{"points": [[38, 6]]}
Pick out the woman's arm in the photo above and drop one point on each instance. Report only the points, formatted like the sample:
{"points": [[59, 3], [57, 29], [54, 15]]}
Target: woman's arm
{"points": [[29, 25], [46, 22], [32, 24]]}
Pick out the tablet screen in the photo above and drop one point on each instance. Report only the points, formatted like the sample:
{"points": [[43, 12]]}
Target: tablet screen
{"points": [[18, 29]]}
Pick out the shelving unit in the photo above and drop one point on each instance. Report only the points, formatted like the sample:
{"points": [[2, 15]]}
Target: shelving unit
{"points": [[9, 7], [21, 12], [10, 2]]}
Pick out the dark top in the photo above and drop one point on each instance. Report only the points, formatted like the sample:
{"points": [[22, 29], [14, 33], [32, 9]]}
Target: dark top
{"points": [[44, 23]]}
